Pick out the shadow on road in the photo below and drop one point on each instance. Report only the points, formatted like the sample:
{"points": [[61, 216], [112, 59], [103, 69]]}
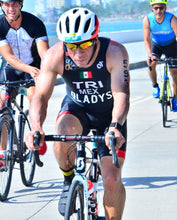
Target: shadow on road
{"points": [[172, 123], [149, 182], [45, 190], [41, 191]]}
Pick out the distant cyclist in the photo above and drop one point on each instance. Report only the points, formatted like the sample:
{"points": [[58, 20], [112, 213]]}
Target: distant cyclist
{"points": [[160, 32], [23, 42], [96, 72]]}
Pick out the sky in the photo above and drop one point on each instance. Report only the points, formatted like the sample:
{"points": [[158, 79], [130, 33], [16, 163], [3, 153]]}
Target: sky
{"points": [[28, 5]]}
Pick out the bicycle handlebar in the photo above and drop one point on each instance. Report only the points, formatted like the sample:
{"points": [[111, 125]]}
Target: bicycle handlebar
{"points": [[165, 59], [68, 138], [17, 84], [162, 60]]}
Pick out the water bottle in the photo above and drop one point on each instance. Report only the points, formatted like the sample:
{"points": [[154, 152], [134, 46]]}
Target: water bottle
{"points": [[3, 153], [92, 199], [2, 157]]}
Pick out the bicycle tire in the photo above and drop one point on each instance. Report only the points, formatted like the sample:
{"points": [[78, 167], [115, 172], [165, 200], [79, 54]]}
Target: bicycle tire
{"points": [[27, 161], [6, 174], [164, 104], [75, 202]]}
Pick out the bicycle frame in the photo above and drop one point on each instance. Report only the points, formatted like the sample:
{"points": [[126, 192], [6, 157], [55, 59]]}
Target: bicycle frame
{"points": [[80, 177], [165, 88], [10, 112], [7, 111], [165, 81], [21, 118], [17, 151]]}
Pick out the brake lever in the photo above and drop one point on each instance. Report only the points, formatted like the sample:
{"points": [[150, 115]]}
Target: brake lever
{"points": [[36, 141], [150, 61], [112, 142]]}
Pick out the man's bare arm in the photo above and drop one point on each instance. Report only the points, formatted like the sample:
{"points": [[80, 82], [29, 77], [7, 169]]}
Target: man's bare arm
{"points": [[147, 36], [119, 82], [174, 24], [118, 65]]}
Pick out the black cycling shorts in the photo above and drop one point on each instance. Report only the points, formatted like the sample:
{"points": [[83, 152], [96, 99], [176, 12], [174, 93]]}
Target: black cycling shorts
{"points": [[169, 51], [98, 121]]}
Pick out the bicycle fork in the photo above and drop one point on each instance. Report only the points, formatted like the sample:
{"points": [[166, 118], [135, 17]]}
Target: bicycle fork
{"points": [[93, 177], [165, 82], [81, 175]]}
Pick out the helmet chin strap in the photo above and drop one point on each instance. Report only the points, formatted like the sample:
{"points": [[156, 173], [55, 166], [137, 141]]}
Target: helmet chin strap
{"points": [[15, 19], [94, 49]]}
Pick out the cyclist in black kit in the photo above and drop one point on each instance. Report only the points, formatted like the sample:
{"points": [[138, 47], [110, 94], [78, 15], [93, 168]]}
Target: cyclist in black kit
{"points": [[23, 42], [96, 72]]}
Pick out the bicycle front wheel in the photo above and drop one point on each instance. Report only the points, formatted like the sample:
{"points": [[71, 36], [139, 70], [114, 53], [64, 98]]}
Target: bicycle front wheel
{"points": [[75, 202], [6, 171], [164, 104], [27, 162]]}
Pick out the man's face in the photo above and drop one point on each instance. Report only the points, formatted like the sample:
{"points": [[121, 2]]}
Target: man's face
{"points": [[159, 10], [80, 56], [11, 9]]}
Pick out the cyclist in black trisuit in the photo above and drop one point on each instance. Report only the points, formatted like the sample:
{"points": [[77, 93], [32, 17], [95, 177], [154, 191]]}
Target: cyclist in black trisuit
{"points": [[96, 72], [23, 42]]}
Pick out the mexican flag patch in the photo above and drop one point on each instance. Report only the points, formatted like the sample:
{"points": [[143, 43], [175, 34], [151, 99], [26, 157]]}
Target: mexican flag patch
{"points": [[86, 75]]}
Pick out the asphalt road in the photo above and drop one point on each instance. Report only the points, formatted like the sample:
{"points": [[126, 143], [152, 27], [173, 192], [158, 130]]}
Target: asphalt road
{"points": [[149, 173]]}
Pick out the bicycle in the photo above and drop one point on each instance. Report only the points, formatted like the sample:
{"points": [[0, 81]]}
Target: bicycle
{"points": [[82, 196], [166, 92], [12, 136]]}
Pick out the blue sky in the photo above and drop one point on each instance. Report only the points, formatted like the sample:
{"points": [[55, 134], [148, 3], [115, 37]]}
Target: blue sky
{"points": [[28, 5]]}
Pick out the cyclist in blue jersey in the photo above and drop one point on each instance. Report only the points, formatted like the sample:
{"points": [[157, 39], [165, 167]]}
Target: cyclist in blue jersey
{"points": [[160, 32], [96, 72], [23, 42]]}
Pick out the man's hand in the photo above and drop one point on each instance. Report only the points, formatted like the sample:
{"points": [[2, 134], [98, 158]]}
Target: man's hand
{"points": [[150, 60], [34, 72], [119, 139], [29, 139]]}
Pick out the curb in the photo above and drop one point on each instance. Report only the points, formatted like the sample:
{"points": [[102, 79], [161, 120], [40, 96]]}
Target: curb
{"points": [[137, 65], [59, 81]]}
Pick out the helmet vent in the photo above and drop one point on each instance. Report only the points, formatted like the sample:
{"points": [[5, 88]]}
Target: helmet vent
{"points": [[77, 24], [87, 25], [75, 10], [67, 25], [60, 27], [86, 12]]}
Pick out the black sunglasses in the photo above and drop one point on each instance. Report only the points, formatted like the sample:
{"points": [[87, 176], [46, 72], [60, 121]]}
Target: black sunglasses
{"points": [[160, 8]]}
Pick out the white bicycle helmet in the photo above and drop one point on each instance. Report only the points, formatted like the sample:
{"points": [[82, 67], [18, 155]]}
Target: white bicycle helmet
{"points": [[77, 24]]}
